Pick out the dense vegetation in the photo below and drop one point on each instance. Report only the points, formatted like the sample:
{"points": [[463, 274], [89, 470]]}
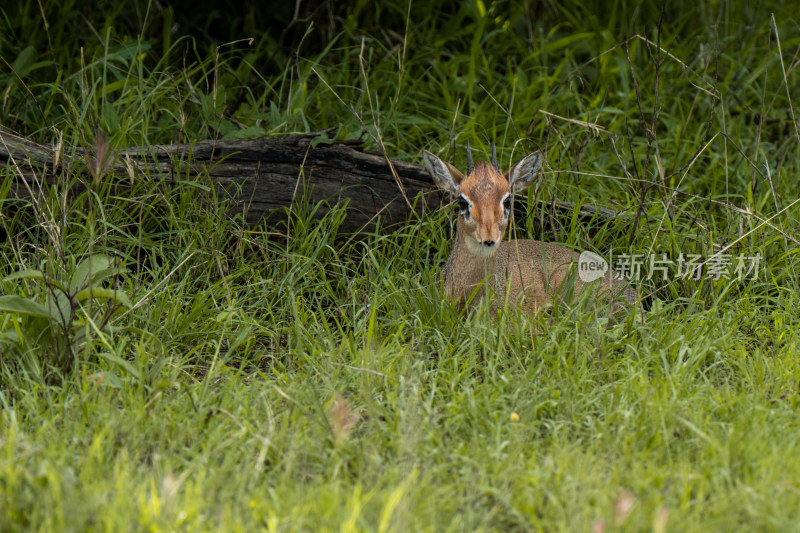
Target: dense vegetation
{"points": [[165, 367]]}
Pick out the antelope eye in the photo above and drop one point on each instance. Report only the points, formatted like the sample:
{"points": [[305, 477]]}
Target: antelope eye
{"points": [[463, 204], [507, 204]]}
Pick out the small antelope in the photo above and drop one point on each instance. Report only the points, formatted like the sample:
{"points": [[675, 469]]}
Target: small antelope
{"points": [[528, 273]]}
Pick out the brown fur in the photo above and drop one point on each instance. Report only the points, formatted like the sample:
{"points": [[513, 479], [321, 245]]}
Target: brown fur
{"points": [[525, 274]]}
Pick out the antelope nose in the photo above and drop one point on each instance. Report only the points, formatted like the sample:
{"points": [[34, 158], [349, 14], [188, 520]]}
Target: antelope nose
{"points": [[488, 243]]}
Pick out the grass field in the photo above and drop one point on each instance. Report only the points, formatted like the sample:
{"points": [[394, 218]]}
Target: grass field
{"points": [[224, 377]]}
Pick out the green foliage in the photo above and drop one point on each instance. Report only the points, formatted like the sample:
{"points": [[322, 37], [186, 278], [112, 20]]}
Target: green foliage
{"points": [[72, 313], [163, 366]]}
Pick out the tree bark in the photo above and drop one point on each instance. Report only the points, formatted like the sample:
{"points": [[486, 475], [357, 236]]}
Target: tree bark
{"points": [[259, 176]]}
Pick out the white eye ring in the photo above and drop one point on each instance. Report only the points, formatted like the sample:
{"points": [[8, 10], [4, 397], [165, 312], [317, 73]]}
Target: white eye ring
{"points": [[464, 205], [506, 204]]}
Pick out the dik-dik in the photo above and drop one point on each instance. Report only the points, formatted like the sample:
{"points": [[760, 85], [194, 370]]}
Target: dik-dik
{"points": [[525, 274]]}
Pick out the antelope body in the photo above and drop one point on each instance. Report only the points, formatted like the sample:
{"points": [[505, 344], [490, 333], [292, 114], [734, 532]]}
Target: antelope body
{"points": [[526, 274]]}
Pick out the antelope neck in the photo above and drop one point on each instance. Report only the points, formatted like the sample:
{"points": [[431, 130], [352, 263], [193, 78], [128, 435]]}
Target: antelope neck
{"points": [[465, 269]]}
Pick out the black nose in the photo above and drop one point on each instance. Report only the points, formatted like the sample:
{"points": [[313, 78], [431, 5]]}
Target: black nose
{"points": [[488, 243]]}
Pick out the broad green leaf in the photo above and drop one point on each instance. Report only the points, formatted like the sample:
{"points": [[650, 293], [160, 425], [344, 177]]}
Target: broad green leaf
{"points": [[60, 309], [129, 49], [33, 274], [97, 277], [25, 274], [223, 316], [24, 60], [252, 132], [104, 294], [12, 303], [226, 127], [9, 335], [89, 266], [119, 85]]}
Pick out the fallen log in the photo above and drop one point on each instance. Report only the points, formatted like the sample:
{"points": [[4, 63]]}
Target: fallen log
{"points": [[261, 176]]}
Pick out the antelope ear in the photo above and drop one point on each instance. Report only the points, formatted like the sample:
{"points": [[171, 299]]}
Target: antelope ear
{"points": [[525, 171], [445, 175]]}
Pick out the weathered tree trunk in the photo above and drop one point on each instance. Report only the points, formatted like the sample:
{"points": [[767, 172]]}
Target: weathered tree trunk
{"points": [[260, 176]]}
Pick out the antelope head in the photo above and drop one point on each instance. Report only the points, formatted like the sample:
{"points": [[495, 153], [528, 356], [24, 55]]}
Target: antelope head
{"points": [[483, 196]]}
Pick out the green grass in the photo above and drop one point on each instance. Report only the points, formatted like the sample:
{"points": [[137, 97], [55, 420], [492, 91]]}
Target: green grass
{"points": [[285, 377]]}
